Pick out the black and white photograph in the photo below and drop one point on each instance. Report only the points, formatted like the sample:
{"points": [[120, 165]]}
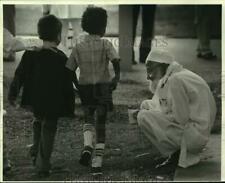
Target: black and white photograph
{"points": [[111, 92]]}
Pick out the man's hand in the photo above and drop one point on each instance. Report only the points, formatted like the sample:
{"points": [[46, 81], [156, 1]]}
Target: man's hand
{"points": [[135, 114], [114, 83]]}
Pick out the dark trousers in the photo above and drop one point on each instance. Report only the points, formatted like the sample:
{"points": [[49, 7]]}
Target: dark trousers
{"points": [[44, 131], [148, 16], [204, 14]]}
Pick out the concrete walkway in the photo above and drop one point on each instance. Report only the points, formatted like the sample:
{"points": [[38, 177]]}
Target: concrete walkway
{"points": [[209, 169]]}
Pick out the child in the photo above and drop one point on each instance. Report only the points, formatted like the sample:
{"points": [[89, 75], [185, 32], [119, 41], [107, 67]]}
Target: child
{"points": [[47, 90], [92, 54]]}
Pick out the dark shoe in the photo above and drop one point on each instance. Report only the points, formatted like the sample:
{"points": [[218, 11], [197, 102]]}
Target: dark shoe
{"points": [[207, 56], [32, 154], [86, 155], [43, 174], [7, 167], [33, 158], [170, 161], [134, 62], [96, 171]]}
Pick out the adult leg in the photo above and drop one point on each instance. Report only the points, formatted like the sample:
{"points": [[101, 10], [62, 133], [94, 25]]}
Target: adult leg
{"points": [[136, 10], [164, 136], [203, 16], [148, 17], [160, 131]]}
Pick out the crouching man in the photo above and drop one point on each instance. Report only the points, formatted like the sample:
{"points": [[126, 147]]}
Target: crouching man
{"points": [[182, 111]]}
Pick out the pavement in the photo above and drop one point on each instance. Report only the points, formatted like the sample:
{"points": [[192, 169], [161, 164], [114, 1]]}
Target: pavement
{"points": [[209, 169], [184, 51]]}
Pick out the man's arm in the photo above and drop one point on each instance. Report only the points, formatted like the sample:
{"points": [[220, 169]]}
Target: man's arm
{"points": [[179, 100]]}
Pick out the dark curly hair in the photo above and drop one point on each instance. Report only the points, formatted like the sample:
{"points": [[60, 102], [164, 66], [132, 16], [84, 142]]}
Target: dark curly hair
{"points": [[94, 20], [49, 27]]}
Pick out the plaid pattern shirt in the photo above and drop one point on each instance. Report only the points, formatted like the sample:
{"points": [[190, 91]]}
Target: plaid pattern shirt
{"points": [[92, 54]]}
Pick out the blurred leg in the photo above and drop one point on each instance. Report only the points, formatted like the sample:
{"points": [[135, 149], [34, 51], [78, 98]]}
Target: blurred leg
{"points": [[136, 10], [148, 17], [204, 23]]}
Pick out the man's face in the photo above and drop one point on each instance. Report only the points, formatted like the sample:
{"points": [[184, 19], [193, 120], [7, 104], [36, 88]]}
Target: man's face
{"points": [[154, 74], [153, 71]]}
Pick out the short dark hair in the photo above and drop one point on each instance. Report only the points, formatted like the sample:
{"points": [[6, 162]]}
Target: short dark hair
{"points": [[49, 27], [94, 20]]}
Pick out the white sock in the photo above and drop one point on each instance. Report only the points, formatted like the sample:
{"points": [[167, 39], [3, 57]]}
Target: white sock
{"points": [[88, 135], [99, 152]]}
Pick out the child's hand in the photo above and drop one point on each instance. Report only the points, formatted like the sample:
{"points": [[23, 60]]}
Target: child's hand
{"points": [[114, 83]]}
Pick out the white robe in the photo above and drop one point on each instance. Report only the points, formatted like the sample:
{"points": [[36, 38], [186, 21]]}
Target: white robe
{"points": [[180, 115]]}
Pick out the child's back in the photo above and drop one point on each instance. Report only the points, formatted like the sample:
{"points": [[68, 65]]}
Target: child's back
{"points": [[93, 54], [47, 90], [45, 82]]}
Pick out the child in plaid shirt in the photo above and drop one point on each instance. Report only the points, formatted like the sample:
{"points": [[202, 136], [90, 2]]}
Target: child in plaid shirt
{"points": [[92, 54]]}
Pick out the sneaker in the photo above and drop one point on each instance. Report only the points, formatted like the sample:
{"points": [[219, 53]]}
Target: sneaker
{"points": [[207, 56], [7, 167], [86, 155], [96, 171], [32, 154], [134, 62], [33, 158], [169, 161]]}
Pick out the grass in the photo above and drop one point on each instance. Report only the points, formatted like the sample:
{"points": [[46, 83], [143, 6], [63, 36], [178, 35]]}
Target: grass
{"points": [[124, 141]]}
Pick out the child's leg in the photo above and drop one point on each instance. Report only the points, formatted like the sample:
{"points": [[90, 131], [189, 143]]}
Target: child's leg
{"points": [[88, 127], [48, 131], [6, 161], [88, 132], [36, 138], [100, 142]]}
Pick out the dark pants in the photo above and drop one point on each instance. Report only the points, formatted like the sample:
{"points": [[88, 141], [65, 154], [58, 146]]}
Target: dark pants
{"points": [[204, 14], [44, 131], [148, 16]]}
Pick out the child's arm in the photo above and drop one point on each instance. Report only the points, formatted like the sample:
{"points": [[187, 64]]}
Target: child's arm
{"points": [[73, 77], [18, 80], [113, 56], [116, 67], [72, 66]]}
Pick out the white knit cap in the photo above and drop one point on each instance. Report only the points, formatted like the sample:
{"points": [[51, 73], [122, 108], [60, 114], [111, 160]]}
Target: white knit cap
{"points": [[160, 56]]}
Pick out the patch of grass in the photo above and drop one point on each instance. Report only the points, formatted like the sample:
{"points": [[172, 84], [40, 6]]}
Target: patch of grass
{"points": [[123, 142]]}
